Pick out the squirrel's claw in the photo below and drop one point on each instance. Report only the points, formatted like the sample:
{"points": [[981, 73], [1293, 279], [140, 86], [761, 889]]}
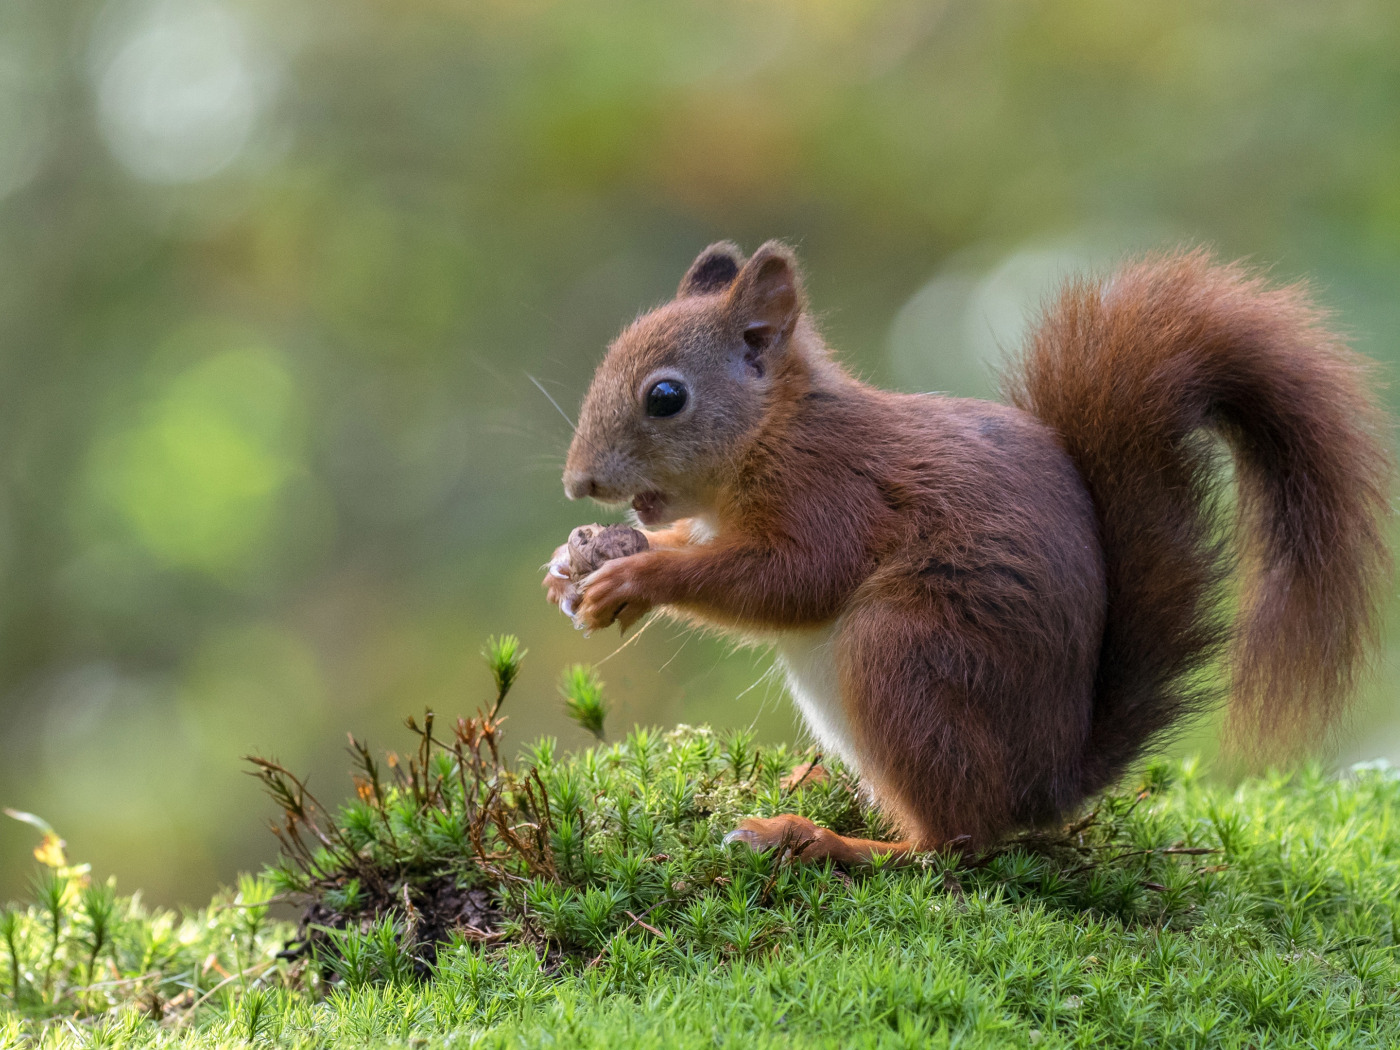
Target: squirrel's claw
{"points": [[558, 580]]}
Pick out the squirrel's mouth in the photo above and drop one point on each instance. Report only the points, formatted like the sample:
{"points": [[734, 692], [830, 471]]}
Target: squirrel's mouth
{"points": [[650, 507]]}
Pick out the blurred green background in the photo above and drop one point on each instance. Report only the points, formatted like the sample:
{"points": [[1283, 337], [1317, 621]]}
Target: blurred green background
{"points": [[274, 277]]}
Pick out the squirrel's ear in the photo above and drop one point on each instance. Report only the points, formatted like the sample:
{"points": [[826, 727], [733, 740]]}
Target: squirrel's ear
{"points": [[713, 270], [766, 301]]}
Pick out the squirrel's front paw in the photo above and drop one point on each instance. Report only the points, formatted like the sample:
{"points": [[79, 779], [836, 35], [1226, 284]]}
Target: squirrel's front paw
{"points": [[611, 594]]}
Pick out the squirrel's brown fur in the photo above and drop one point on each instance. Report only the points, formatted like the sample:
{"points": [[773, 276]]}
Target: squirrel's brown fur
{"points": [[1009, 604]]}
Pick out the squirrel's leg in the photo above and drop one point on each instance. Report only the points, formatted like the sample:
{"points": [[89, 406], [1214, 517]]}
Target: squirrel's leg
{"points": [[748, 584], [924, 703], [810, 843], [923, 714]]}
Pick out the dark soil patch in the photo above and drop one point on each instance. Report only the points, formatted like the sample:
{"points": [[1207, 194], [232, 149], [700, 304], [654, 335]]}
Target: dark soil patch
{"points": [[428, 912]]}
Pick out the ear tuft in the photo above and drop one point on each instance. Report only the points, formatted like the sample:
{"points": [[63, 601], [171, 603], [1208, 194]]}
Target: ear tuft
{"points": [[713, 270]]}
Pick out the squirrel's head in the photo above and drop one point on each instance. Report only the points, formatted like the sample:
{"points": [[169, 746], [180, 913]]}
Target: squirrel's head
{"points": [[682, 390]]}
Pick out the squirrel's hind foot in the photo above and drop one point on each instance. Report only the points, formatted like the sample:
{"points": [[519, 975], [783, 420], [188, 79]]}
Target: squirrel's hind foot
{"points": [[801, 840]]}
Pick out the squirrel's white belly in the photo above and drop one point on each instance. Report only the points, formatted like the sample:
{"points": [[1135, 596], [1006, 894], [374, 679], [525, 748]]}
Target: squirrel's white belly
{"points": [[808, 658]]}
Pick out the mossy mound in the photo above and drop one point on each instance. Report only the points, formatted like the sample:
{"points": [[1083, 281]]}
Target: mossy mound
{"points": [[588, 899]]}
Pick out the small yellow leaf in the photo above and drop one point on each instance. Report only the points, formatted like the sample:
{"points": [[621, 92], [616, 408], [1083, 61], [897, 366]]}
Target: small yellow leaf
{"points": [[50, 851]]}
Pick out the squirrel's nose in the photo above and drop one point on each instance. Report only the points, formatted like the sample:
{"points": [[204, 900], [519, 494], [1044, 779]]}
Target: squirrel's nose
{"points": [[577, 484]]}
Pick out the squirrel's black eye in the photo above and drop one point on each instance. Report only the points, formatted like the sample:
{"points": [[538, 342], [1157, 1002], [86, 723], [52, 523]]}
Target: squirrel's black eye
{"points": [[666, 398]]}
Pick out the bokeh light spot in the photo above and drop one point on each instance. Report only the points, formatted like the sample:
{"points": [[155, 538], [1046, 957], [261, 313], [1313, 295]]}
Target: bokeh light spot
{"points": [[197, 478], [954, 333], [181, 94]]}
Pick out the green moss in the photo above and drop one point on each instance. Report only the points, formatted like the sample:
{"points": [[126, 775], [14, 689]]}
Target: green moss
{"points": [[653, 934], [589, 899]]}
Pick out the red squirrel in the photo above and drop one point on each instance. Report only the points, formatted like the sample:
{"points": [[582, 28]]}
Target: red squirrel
{"points": [[990, 611]]}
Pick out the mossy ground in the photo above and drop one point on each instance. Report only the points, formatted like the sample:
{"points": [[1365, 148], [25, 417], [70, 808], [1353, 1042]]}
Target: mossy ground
{"points": [[649, 932], [589, 900]]}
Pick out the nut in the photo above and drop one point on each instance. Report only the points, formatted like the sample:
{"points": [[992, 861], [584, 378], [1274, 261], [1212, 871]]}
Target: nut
{"points": [[592, 545]]}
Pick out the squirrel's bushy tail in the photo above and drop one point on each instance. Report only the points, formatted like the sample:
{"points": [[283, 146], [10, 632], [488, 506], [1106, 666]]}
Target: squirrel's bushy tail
{"points": [[1135, 373]]}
